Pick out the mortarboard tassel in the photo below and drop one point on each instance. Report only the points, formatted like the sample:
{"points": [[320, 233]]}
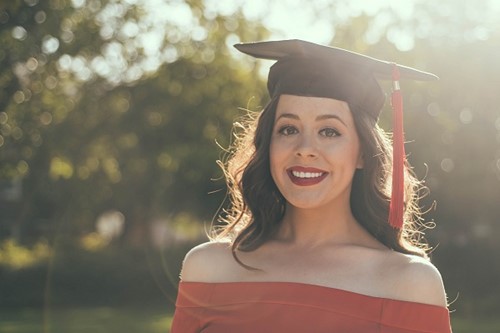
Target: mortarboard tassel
{"points": [[397, 196]]}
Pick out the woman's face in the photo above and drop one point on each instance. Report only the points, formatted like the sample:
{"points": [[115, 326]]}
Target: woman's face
{"points": [[314, 151]]}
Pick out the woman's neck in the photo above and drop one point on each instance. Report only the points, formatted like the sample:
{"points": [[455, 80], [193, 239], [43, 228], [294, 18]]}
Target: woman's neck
{"points": [[316, 226]]}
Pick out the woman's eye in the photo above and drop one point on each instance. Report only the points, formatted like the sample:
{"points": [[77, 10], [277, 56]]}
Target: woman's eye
{"points": [[329, 132], [287, 130]]}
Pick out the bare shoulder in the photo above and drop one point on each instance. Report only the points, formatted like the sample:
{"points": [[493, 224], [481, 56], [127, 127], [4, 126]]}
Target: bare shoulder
{"points": [[416, 279], [206, 262]]}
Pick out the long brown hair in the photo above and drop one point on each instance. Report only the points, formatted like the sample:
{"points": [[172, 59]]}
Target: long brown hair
{"points": [[257, 207]]}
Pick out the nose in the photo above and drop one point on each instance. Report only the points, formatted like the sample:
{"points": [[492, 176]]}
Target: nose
{"points": [[306, 147]]}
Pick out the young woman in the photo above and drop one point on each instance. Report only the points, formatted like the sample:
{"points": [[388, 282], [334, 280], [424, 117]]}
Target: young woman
{"points": [[322, 234]]}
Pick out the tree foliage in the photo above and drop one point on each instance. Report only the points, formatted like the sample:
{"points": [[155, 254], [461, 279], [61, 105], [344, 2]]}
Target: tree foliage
{"points": [[93, 119]]}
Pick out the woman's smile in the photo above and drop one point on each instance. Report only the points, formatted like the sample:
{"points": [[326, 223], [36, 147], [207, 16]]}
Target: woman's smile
{"points": [[306, 176]]}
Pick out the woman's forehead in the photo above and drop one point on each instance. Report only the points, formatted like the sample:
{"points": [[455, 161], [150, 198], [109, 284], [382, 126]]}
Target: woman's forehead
{"points": [[308, 105]]}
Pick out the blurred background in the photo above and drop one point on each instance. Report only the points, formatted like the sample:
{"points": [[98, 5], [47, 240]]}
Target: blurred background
{"points": [[113, 112]]}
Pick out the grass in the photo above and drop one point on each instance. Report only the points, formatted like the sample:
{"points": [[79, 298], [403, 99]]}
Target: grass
{"points": [[84, 320], [476, 325], [141, 320]]}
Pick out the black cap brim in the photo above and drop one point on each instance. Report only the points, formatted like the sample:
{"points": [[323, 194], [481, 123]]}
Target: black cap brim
{"points": [[278, 50]]}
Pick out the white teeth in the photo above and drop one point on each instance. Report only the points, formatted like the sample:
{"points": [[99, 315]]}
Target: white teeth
{"points": [[306, 174]]}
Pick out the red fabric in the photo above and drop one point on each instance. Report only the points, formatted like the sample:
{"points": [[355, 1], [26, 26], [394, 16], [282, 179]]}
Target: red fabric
{"points": [[289, 307]]}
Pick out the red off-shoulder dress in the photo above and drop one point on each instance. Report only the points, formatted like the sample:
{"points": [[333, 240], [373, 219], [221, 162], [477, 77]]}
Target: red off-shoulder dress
{"points": [[290, 307]]}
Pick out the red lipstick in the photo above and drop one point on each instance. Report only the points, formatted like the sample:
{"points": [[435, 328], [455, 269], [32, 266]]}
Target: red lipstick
{"points": [[306, 176]]}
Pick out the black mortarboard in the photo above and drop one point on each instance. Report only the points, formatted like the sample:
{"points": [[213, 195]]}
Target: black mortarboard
{"points": [[307, 69]]}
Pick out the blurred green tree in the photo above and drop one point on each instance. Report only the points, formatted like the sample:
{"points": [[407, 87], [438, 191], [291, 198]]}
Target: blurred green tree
{"points": [[101, 109]]}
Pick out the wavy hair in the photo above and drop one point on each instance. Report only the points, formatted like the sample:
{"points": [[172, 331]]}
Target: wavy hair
{"points": [[257, 206]]}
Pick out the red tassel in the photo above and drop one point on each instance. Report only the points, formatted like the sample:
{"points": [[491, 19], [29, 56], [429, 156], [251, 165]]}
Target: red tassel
{"points": [[397, 197]]}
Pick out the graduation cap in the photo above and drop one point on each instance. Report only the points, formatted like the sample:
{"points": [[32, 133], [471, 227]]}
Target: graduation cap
{"points": [[308, 69]]}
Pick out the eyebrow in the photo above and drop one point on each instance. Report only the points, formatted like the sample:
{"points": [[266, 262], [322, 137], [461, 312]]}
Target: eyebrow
{"points": [[318, 118]]}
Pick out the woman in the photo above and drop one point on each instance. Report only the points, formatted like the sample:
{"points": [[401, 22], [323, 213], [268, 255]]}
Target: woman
{"points": [[315, 240]]}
